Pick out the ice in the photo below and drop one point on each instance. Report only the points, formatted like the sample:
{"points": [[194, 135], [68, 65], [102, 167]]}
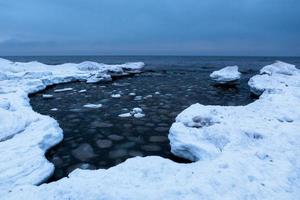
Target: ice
{"points": [[135, 112], [125, 115], [63, 90], [240, 152], [90, 105], [226, 75], [139, 115], [116, 96], [47, 96], [82, 91], [25, 135]]}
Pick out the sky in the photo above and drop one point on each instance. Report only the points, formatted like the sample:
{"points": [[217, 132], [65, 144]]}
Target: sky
{"points": [[150, 27]]}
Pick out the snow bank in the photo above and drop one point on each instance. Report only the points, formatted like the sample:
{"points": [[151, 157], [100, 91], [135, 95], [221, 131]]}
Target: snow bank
{"points": [[242, 152], [226, 75], [24, 134]]}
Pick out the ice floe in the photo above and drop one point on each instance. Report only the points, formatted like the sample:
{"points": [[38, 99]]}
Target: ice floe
{"points": [[116, 95], [226, 75], [242, 152], [63, 90], [90, 105], [82, 91], [135, 112], [47, 96]]}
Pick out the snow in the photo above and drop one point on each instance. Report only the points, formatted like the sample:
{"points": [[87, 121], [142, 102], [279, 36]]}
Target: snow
{"points": [[25, 135], [90, 105], [226, 75], [240, 152]]}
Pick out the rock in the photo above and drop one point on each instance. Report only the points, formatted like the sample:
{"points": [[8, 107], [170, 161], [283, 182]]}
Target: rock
{"points": [[151, 147], [116, 137], [135, 153], [84, 152], [117, 153], [158, 139], [104, 143]]}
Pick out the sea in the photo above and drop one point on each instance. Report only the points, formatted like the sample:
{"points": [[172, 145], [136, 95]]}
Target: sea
{"points": [[98, 138]]}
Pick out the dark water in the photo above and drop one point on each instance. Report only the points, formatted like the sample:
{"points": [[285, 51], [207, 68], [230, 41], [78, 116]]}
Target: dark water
{"points": [[99, 138]]}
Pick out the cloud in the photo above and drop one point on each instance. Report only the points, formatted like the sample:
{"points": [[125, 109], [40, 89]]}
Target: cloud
{"points": [[108, 25]]}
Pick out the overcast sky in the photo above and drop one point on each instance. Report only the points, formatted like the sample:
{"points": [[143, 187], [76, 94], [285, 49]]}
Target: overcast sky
{"points": [[150, 27]]}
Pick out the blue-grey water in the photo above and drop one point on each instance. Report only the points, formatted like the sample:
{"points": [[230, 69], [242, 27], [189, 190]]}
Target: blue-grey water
{"points": [[99, 138]]}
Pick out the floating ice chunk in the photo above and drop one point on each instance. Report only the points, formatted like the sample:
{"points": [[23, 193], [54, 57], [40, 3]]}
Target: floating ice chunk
{"points": [[81, 91], [132, 94], [157, 93], [138, 98], [148, 96], [116, 95], [125, 115], [139, 115], [226, 75], [90, 105], [47, 96], [63, 90], [54, 109], [137, 110]]}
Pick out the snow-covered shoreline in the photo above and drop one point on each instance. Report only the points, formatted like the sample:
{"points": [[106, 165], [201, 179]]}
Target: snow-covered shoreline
{"points": [[26, 135], [242, 152]]}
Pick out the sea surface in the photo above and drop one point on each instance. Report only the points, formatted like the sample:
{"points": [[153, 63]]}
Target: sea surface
{"points": [[97, 138]]}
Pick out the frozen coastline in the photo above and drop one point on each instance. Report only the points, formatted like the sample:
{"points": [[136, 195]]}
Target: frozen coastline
{"points": [[24, 134], [243, 152]]}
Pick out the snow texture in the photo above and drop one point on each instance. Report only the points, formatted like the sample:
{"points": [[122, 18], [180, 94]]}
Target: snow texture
{"points": [[240, 152], [226, 75]]}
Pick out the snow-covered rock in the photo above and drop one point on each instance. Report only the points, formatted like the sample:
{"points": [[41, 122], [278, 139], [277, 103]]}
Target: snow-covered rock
{"points": [[226, 75], [25, 135]]}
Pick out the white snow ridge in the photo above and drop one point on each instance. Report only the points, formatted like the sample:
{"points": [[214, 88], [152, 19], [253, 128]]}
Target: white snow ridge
{"points": [[226, 75], [241, 152]]}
